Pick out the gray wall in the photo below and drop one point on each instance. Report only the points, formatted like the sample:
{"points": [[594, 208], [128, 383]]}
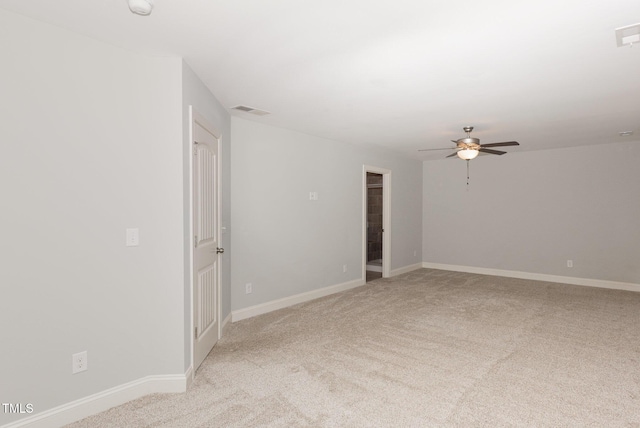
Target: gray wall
{"points": [[196, 94], [533, 211], [92, 144], [285, 244]]}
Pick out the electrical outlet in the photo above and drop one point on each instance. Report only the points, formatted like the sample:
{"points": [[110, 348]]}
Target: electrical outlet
{"points": [[248, 288], [344, 268], [313, 196], [133, 237], [79, 362], [570, 263]]}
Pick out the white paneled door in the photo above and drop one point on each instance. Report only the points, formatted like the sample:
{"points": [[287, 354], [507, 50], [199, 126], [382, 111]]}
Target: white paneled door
{"points": [[206, 242]]}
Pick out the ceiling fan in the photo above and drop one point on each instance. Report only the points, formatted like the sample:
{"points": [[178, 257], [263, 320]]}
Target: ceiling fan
{"points": [[468, 148]]}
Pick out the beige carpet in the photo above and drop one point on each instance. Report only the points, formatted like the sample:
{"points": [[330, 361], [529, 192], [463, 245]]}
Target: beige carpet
{"points": [[425, 349]]}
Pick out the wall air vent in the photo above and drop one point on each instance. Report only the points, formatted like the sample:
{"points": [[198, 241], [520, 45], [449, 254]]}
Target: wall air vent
{"points": [[251, 110]]}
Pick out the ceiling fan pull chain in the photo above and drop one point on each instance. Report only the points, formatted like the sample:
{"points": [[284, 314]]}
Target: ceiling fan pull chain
{"points": [[467, 174]]}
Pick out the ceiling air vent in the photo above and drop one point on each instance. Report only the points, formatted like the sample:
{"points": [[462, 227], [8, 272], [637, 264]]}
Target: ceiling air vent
{"points": [[251, 110], [627, 36]]}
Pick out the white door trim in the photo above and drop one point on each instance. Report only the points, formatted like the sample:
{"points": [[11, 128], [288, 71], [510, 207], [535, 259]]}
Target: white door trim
{"points": [[386, 219], [195, 117]]}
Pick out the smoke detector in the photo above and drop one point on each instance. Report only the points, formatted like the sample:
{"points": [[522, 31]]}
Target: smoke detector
{"points": [[141, 7]]}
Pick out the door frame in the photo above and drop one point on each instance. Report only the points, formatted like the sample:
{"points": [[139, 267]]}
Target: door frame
{"points": [[386, 219], [197, 118]]}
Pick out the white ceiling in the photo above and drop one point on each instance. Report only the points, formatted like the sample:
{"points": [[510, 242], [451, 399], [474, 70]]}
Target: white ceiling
{"points": [[405, 74]]}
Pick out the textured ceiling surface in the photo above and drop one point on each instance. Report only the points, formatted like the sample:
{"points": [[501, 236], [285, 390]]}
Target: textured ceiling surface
{"points": [[402, 74]]}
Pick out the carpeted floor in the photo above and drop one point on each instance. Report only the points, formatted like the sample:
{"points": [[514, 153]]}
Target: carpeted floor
{"points": [[428, 348]]}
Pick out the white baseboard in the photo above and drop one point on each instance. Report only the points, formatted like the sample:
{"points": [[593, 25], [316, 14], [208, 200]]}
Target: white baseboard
{"points": [[96, 403], [406, 269], [285, 302], [225, 325], [587, 282], [189, 377]]}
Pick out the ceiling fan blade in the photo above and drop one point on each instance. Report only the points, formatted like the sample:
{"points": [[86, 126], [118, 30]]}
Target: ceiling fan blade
{"points": [[453, 154], [506, 143], [493, 152], [429, 150]]}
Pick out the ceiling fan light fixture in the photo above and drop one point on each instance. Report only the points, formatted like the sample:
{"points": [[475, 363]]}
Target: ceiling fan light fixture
{"points": [[141, 7], [467, 154]]}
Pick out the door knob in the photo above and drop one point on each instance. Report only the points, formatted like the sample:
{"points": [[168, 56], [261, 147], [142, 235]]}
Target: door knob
{"points": [[219, 250]]}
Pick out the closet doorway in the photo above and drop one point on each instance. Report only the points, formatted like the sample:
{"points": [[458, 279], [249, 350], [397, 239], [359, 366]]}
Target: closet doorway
{"points": [[376, 223]]}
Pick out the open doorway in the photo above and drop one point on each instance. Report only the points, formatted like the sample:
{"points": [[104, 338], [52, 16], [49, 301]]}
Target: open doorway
{"points": [[374, 226], [376, 222]]}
